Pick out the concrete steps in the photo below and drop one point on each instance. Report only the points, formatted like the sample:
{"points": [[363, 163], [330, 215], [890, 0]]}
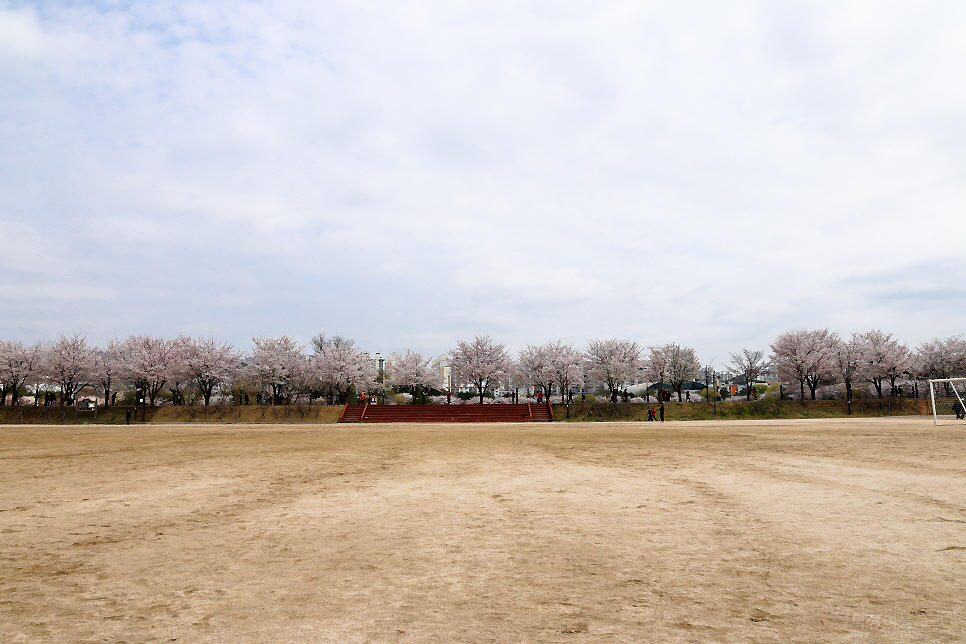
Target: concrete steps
{"points": [[447, 413]]}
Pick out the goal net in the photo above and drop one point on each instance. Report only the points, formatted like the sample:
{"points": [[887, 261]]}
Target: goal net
{"points": [[948, 397]]}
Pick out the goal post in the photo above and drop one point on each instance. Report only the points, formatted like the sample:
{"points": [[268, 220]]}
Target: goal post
{"points": [[948, 399]]}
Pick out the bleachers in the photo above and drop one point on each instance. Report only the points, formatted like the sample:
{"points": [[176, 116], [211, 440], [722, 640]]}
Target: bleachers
{"points": [[522, 413]]}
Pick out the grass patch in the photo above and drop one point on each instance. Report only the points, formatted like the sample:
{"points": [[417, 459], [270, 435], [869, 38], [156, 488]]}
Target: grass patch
{"points": [[55, 415], [597, 411], [171, 414], [756, 409]]}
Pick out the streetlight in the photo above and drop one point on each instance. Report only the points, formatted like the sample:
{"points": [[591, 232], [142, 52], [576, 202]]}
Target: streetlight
{"points": [[714, 397]]}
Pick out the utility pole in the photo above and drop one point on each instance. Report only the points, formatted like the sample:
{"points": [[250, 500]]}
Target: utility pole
{"points": [[715, 397]]}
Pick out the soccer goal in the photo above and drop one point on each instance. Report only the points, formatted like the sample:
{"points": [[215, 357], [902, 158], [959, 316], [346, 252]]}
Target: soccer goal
{"points": [[948, 396]]}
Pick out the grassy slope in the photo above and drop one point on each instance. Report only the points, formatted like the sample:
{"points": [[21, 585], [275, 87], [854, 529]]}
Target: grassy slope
{"points": [[742, 409], [173, 414], [581, 412]]}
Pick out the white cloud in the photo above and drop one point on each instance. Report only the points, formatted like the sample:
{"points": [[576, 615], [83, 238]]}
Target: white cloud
{"points": [[708, 174]]}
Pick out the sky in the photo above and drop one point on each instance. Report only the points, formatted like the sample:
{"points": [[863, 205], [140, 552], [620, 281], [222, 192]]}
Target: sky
{"points": [[409, 174]]}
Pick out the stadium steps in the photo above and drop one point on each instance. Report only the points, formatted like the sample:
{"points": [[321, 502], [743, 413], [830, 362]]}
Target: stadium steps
{"points": [[352, 413], [447, 413], [542, 412]]}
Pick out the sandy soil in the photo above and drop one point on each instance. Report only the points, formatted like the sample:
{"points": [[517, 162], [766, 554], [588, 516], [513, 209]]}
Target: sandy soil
{"points": [[768, 531]]}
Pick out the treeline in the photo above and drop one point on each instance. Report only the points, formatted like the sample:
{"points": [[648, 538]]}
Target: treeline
{"points": [[279, 370]]}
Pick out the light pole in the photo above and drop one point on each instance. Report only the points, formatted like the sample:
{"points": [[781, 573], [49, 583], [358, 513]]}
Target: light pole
{"points": [[715, 395]]}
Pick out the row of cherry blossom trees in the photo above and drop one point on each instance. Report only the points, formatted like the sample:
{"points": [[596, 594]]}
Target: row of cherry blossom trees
{"points": [[611, 364], [144, 363], [279, 370], [817, 357], [188, 368]]}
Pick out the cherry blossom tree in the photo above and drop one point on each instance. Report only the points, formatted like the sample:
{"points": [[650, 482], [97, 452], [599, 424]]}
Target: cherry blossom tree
{"points": [[147, 362], [883, 358], [68, 362], [821, 369], [210, 365], [847, 361], [533, 368], [750, 364], [179, 377], [805, 356], [410, 370], [790, 355], [549, 364], [943, 357], [18, 364], [612, 363], [674, 364], [564, 366], [481, 362], [278, 366], [107, 368], [342, 367]]}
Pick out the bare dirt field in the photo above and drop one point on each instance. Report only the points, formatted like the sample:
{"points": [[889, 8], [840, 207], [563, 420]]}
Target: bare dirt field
{"points": [[759, 531]]}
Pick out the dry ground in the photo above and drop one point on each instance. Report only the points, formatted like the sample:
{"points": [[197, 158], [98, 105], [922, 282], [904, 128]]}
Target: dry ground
{"points": [[767, 531]]}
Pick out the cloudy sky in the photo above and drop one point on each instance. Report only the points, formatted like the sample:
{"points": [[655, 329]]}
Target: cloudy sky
{"points": [[412, 173]]}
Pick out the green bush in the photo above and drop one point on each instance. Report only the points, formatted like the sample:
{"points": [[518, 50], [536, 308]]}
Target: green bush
{"points": [[473, 395]]}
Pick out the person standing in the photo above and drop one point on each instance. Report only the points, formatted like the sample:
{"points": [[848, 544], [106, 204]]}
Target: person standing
{"points": [[661, 412]]}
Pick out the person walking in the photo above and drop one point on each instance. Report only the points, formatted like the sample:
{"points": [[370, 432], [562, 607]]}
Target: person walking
{"points": [[661, 412]]}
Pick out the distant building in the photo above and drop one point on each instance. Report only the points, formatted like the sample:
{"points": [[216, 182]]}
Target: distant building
{"points": [[440, 365]]}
